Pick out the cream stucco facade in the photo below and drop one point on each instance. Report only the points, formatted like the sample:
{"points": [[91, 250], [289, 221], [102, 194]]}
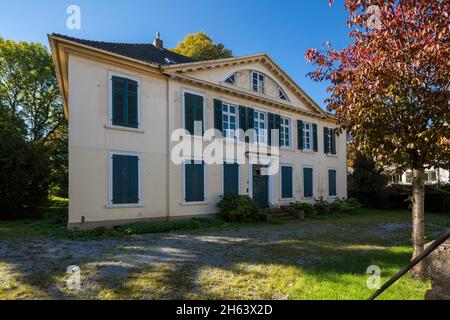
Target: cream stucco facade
{"points": [[84, 74]]}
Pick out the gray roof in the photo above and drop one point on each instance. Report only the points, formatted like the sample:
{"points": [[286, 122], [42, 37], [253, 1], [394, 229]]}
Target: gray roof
{"points": [[145, 52]]}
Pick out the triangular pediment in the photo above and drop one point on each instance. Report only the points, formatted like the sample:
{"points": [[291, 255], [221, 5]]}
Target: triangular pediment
{"points": [[218, 71]]}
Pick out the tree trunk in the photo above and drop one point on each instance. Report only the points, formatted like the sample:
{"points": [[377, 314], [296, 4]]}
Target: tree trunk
{"points": [[418, 217]]}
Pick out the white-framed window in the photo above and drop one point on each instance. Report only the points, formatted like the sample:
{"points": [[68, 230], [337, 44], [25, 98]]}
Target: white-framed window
{"points": [[260, 127], [307, 136], [124, 181], [431, 176], [282, 95], [123, 100], [229, 120], [285, 134], [231, 79], [258, 82]]}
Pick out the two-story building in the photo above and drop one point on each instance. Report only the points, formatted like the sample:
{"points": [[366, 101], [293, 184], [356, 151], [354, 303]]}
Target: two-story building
{"points": [[125, 101]]}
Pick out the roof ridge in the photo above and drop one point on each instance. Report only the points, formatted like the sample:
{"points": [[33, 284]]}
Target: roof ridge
{"points": [[105, 42], [146, 52]]}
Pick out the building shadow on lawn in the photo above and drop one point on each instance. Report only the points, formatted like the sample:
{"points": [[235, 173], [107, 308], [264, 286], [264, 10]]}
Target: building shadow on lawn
{"points": [[209, 265]]}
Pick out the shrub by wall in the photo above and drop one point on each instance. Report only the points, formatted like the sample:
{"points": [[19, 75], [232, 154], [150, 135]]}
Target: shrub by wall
{"points": [[239, 208]]}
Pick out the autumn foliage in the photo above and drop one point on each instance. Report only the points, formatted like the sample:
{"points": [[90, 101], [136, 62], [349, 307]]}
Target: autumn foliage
{"points": [[390, 87]]}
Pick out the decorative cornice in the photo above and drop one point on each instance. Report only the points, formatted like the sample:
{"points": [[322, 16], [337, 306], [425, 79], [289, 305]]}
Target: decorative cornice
{"points": [[262, 58], [245, 95]]}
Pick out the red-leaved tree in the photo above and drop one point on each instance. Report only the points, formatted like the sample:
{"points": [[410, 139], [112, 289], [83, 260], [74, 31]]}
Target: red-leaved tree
{"points": [[390, 88]]}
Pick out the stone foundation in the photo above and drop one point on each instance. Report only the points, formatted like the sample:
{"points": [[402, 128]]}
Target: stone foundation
{"points": [[438, 269]]}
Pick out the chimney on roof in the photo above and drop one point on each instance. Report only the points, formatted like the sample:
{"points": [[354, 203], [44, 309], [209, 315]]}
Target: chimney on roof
{"points": [[158, 42]]}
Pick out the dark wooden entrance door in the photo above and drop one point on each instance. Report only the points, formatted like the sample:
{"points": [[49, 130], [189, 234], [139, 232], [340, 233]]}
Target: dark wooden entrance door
{"points": [[260, 187]]}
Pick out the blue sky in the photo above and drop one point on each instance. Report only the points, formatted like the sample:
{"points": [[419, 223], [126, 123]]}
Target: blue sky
{"points": [[282, 29]]}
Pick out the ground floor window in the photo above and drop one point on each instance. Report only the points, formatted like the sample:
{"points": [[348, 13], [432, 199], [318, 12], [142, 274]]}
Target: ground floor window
{"points": [[231, 178], [332, 192], [308, 182], [286, 182], [124, 179], [194, 181]]}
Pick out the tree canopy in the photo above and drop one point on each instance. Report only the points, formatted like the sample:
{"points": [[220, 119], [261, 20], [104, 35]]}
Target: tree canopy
{"points": [[199, 46], [390, 88], [31, 108], [28, 88]]}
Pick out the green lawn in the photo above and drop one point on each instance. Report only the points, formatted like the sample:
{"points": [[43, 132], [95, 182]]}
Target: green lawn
{"points": [[321, 258]]}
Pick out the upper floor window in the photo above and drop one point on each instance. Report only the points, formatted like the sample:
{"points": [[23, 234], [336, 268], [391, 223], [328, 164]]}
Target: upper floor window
{"points": [[229, 117], [260, 127], [307, 136], [285, 135], [329, 141], [258, 82], [194, 113], [124, 102], [281, 94], [231, 79]]}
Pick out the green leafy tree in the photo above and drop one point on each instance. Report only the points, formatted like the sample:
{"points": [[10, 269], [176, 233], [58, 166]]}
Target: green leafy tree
{"points": [[30, 96], [366, 183], [199, 46], [29, 88], [24, 170]]}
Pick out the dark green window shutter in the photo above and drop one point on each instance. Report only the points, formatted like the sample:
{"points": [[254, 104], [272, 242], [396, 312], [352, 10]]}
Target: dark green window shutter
{"points": [[286, 182], [333, 141], [193, 112], [218, 121], [243, 118], [250, 118], [231, 178], [124, 102], [274, 124], [326, 146], [125, 178], [300, 134], [246, 120], [118, 101], [194, 182], [132, 104], [315, 141], [332, 183], [308, 182], [271, 127], [278, 127]]}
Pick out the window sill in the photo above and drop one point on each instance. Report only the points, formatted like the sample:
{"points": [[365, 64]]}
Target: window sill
{"points": [[198, 203], [287, 149], [288, 199], [125, 206], [331, 155], [308, 151], [113, 127]]}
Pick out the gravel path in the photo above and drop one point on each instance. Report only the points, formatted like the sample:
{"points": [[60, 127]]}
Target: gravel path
{"points": [[41, 264]]}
